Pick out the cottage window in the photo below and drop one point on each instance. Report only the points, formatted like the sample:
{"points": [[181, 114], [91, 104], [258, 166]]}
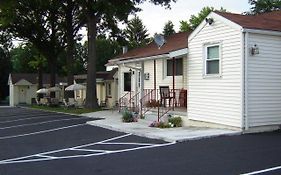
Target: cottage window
{"points": [[212, 61], [178, 66], [108, 89], [127, 81]]}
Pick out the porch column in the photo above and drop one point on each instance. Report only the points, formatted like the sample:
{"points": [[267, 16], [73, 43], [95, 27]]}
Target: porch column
{"points": [[154, 62], [141, 85], [136, 86], [174, 72]]}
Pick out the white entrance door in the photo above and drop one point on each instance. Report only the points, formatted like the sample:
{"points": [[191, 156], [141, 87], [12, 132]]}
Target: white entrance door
{"points": [[22, 94]]}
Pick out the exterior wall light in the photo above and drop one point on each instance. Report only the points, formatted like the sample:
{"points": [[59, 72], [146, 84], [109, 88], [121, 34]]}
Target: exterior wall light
{"points": [[254, 50], [210, 21]]}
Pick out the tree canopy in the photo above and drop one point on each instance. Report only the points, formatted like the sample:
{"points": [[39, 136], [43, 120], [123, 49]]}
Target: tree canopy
{"points": [[195, 20], [136, 33], [168, 29], [262, 6]]}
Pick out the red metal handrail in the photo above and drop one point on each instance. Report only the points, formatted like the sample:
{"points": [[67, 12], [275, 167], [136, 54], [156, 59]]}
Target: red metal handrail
{"points": [[122, 101]]}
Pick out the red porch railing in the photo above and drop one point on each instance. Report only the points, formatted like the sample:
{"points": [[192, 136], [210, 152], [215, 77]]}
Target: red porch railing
{"points": [[152, 99]]}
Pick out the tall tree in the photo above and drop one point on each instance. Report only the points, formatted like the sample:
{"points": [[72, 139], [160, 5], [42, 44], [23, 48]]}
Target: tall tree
{"points": [[107, 14], [38, 22], [74, 19], [136, 33], [168, 29], [5, 63], [262, 6]]}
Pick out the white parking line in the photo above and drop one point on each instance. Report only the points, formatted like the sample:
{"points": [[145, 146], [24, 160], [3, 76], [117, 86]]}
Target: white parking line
{"points": [[39, 123], [92, 152], [40, 132], [263, 171], [29, 118]]}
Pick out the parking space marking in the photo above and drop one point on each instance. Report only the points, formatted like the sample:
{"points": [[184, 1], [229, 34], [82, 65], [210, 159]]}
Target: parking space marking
{"points": [[41, 132], [29, 118], [39, 123], [51, 155], [263, 171]]}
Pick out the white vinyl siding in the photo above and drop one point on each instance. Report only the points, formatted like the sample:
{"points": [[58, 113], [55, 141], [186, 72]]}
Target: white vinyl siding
{"points": [[264, 81], [215, 99]]}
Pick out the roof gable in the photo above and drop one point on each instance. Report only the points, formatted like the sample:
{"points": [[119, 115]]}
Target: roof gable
{"points": [[32, 78], [23, 82], [216, 17]]}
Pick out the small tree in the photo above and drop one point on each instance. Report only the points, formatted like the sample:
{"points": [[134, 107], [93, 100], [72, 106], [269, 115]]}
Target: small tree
{"points": [[136, 33], [185, 26], [168, 29], [195, 20]]}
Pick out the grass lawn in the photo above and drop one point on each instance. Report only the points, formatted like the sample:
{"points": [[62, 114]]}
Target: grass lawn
{"points": [[64, 110]]}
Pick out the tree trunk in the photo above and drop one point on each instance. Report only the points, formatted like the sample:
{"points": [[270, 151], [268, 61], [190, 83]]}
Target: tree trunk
{"points": [[52, 66], [40, 79], [70, 47], [91, 94]]}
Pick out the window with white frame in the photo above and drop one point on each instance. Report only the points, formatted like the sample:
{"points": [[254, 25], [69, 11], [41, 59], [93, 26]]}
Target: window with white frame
{"points": [[178, 67], [212, 60]]}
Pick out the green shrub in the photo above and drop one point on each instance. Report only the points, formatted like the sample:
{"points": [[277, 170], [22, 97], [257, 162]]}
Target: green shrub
{"points": [[163, 125], [128, 116], [175, 121]]}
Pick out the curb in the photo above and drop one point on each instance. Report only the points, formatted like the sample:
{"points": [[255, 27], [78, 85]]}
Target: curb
{"points": [[93, 123]]}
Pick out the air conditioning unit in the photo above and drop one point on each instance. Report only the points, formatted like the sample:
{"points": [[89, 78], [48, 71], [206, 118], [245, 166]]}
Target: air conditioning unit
{"points": [[146, 76]]}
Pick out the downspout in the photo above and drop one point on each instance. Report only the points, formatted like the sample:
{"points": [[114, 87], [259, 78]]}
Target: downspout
{"points": [[244, 80]]}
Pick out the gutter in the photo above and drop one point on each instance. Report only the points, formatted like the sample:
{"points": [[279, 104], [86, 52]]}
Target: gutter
{"points": [[263, 32], [143, 59]]}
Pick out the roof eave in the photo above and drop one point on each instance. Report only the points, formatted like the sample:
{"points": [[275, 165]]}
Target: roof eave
{"points": [[264, 32], [144, 58]]}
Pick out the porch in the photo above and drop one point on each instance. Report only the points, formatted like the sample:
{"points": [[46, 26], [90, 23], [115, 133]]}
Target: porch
{"points": [[155, 102]]}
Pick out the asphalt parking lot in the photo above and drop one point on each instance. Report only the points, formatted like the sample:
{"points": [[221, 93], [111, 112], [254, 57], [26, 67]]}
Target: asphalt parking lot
{"points": [[33, 142]]}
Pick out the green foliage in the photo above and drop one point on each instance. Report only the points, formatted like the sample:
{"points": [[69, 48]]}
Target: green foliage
{"points": [[26, 59], [185, 27], [195, 20], [163, 125], [127, 116], [136, 33], [106, 49], [175, 121], [262, 6], [168, 29]]}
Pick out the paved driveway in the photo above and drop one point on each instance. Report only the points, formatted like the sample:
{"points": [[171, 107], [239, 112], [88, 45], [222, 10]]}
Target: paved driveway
{"points": [[40, 143]]}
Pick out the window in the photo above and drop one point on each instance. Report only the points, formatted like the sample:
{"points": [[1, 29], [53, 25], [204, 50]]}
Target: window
{"points": [[127, 81], [109, 89], [178, 67], [212, 61], [139, 79]]}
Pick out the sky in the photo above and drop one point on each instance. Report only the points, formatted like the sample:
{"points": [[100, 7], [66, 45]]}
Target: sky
{"points": [[155, 17]]}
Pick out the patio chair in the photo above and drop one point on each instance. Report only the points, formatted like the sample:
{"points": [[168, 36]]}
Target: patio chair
{"points": [[67, 104], [165, 95], [37, 102]]}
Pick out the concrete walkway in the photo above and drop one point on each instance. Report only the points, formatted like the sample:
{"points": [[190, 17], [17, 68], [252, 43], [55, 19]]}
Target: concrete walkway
{"points": [[112, 120]]}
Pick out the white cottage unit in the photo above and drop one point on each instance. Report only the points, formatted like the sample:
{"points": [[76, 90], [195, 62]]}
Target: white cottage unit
{"points": [[142, 72], [23, 87], [234, 71]]}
